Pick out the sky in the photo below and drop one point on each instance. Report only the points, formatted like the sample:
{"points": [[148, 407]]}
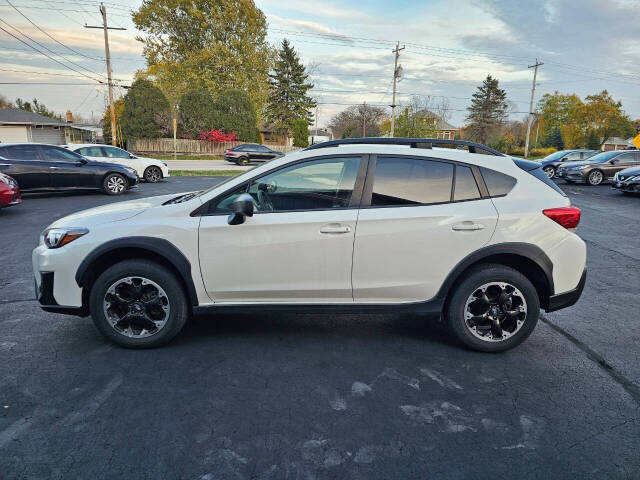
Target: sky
{"points": [[450, 47]]}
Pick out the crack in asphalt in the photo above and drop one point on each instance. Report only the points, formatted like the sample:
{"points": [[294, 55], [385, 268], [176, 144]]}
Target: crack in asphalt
{"points": [[631, 388], [4, 302]]}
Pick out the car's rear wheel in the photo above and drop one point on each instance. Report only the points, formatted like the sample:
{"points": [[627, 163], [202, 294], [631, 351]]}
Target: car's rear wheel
{"points": [[550, 170], [138, 304], [153, 174], [114, 184], [595, 178], [493, 309]]}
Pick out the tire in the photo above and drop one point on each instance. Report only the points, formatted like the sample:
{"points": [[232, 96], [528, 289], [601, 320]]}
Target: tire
{"points": [[153, 174], [550, 171], [161, 310], [500, 279], [243, 161], [114, 184], [595, 177]]}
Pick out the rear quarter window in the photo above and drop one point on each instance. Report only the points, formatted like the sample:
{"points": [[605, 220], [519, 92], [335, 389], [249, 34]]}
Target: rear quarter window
{"points": [[497, 183]]}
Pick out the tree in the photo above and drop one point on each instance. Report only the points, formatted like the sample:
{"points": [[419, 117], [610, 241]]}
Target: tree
{"points": [[554, 139], [145, 113], [211, 44], [593, 141], [234, 112], [348, 123], [36, 107], [604, 116], [301, 133], [288, 87], [106, 122], [420, 118], [487, 112], [4, 102], [558, 111], [196, 113]]}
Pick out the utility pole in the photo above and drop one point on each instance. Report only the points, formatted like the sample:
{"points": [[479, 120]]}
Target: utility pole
{"points": [[364, 120], [103, 11], [530, 118], [396, 75]]}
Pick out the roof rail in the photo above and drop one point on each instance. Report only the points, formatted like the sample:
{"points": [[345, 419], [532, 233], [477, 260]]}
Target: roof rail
{"points": [[412, 142]]}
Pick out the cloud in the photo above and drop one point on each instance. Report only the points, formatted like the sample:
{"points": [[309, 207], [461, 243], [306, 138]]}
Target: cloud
{"points": [[312, 27], [316, 9]]}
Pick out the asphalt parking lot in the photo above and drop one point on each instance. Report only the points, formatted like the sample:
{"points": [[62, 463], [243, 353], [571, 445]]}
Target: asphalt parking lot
{"points": [[271, 396]]}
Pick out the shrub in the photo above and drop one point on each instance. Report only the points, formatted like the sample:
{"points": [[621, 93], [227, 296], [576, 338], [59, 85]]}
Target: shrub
{"points": [[542, 152], [218, 136]]}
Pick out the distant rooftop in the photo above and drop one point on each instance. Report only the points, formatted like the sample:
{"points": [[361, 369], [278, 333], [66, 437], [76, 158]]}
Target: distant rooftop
{"points": [[17, 116]]}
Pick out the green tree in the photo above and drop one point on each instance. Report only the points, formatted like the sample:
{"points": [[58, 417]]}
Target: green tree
{"points": [[593, 141], [554, 139], [487, 112], [604, 116], [288, 87], [234, 112], [197, 109], [301, 133], [558, 111], [146, 112], [4, 102], [212, 44], [36, 107]]}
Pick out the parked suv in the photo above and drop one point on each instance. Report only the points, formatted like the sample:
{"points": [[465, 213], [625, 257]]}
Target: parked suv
{"points": [[550, 163], [599, 168], [40, 167], [362, 225], [248, 152], [150, 169]]}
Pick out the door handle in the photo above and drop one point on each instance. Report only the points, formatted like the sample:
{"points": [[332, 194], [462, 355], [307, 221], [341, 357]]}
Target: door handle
{"points": [[54, 168], [335, 228], [467, 226]]}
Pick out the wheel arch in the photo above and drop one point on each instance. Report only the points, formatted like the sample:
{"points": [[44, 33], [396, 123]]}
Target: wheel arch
{"points": [[526, 258], [158, 250]]}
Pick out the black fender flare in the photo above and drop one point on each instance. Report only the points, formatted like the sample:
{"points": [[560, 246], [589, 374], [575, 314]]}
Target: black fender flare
{"points": [[527, 250], [159, 247]]}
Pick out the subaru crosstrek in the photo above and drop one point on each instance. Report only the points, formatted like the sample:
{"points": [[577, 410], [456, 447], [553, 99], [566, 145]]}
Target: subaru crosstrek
{"points": [[363, 225]]}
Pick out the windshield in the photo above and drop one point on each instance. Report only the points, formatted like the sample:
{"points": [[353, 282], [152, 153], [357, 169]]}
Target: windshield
{"points": [[555, 156], [603, 157], [199, 194]]}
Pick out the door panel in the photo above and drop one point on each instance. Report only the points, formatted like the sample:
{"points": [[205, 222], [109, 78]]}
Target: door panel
{"points": [[67, 168], [404, 254], [278, 257], [27, 168]]}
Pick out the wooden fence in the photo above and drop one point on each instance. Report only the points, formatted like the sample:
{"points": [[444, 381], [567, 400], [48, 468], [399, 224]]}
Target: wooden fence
{"points": [[185, 146]]}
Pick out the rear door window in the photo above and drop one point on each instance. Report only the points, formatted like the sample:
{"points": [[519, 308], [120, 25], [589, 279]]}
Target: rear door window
{"points": [[91, 152], [20, 152], [408, 181], [466, 187]]}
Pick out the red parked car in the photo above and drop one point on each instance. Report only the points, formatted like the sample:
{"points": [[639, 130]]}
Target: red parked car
{"points": [[9, 191]]}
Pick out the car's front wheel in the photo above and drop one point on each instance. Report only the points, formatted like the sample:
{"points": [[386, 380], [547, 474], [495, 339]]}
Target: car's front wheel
{"points": [[243, 161], [153, 174], [550, 171], [595, 178], [114, 184], [138, 304], [493, 309]]}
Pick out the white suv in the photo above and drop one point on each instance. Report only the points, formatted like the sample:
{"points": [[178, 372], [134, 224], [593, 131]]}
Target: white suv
{"points": [[150, 169], [375, 225]]}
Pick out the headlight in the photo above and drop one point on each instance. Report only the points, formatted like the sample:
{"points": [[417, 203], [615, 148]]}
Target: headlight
{"points": [[6, 180], [585, 166], [132, 171], [58, 237]]}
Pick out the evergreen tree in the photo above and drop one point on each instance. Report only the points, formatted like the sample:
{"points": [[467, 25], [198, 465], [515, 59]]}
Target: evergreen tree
{"points": [[145, 111], [487, 112], [196, 113], [593, 141], [554, 139], [301, 133], [234, 112], [288, 87]]}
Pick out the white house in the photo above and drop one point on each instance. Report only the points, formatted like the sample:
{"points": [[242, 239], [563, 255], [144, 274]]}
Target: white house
{"points": [[20, 126]]}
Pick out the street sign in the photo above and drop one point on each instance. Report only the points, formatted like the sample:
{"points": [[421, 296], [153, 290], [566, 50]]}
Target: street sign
{"points": [[636, 141]]}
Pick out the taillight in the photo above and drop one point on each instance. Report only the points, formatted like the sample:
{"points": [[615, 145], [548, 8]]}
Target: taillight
{"points": [[568, 217], [227, 152]]}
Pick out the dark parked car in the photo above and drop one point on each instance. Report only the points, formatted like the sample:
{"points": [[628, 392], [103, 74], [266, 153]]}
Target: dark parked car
{"points": [[627, 180], [599, 168], [550, 163], [48, 167], [243, 154]]}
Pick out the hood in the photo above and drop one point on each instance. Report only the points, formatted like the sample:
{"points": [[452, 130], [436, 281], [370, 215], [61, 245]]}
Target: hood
{"points": [[112, 212], [629, 172]]}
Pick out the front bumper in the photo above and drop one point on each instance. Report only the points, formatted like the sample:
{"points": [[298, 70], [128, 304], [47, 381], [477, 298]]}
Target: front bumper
{"points": [[572, 175], [10, 196], [633, 186], [567, 299]]}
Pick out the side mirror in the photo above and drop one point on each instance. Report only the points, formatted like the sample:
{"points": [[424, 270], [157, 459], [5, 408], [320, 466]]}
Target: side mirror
{"points": [[242, 207]]}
